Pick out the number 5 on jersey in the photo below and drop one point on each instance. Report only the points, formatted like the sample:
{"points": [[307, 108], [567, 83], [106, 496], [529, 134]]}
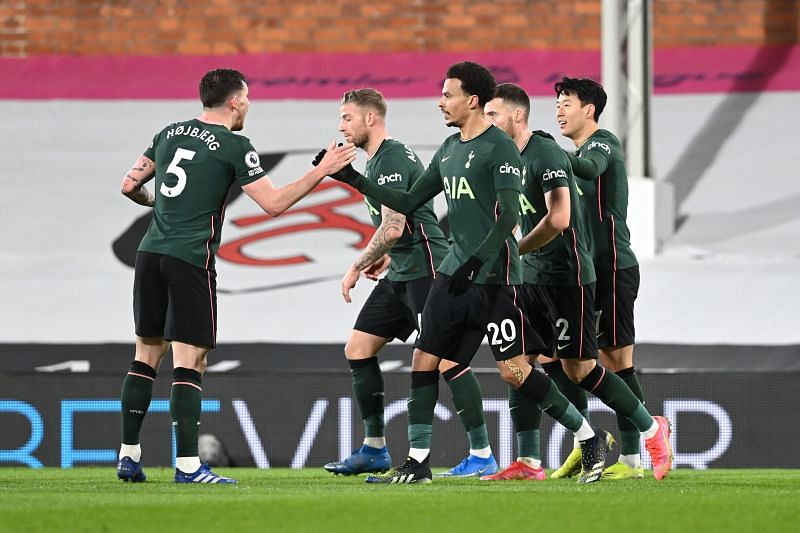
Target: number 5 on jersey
{"points": [[174, 168]]}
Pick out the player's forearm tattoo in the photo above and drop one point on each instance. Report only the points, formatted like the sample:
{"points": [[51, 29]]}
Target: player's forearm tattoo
{"points": [[382, 241], [516, 371], [141, 165]]}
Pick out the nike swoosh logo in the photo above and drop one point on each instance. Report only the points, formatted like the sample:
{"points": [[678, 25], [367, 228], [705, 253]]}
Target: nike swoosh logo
{"points": [[459, 412], [562, 347], [504, 348], [445, 158]]}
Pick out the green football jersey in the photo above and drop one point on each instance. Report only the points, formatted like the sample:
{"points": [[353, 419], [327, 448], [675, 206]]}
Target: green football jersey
{"points": [[605, 201], [471, 173], [565, 260], [196, 163], [421, 248]]}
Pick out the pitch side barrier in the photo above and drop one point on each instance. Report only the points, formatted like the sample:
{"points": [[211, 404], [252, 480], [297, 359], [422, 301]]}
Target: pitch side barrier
{"points": [[65, 411]]}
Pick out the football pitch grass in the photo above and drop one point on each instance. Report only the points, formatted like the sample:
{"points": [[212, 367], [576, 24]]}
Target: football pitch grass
{"points": [[92, 499]]}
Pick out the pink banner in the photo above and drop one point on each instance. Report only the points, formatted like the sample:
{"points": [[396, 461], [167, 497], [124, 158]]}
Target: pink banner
{"points": [[325, 76]]}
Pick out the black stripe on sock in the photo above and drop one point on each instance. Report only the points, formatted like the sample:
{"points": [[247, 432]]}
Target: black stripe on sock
{"points": [[187, 374], [138, 367], [453, 372]]}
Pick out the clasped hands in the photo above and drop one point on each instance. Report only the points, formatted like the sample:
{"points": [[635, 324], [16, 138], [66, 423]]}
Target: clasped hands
{"points": [[336, 161]]}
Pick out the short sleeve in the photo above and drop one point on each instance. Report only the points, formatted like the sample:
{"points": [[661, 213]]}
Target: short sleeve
{"points": [[552, 169], [247, 164], [395, 172], [507, 166], [150, 153]]}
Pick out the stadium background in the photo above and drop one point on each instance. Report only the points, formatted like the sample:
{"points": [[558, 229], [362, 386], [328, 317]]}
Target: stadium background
{"points": [[84, 86]]}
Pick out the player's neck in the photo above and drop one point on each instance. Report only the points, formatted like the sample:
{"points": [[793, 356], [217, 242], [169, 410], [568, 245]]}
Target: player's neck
{"points": [[214, 117], [580, 136], [522, 137], [376, 138], [474, 126]]}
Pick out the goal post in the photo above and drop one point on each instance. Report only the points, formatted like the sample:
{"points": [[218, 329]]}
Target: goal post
{"points": [[627, 71]]}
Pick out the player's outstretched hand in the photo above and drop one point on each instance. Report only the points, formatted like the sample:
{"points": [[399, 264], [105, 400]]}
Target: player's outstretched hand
{"points": [[464, 275]]}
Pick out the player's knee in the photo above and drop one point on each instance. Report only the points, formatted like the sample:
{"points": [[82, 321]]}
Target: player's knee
{"points": [[577, 370], [616, 359], [450, 370], [357, 350]]}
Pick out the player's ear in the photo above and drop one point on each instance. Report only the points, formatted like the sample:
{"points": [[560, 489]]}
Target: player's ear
{"points": [[589, 110]]}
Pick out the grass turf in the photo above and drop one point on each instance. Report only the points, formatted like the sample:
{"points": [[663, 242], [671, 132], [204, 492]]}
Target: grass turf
{"points": [[92, 499]]}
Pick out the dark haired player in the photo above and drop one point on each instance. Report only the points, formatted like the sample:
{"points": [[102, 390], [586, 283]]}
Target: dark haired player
{"points": [[600, 165], [557, 270], [477, 286], [174, 294], [411, 248]]}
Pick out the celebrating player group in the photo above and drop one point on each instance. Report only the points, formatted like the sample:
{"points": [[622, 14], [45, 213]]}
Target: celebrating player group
{"points": [[562, 293]]}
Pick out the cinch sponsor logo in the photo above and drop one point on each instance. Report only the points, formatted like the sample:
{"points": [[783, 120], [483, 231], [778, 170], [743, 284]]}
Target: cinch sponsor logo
{"points": [[604, 146], [508, 169], [553, 174], [391, 178]]}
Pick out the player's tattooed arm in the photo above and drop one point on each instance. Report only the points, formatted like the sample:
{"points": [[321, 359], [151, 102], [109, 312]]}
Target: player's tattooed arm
{"points": [[374, 259], [133, 183], [389, 231], [515, 370]]}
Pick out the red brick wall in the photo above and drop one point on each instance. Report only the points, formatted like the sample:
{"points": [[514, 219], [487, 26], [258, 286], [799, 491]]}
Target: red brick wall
{"points": [[151, 27]]}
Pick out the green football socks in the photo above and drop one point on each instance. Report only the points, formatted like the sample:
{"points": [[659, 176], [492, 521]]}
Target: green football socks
{"points": [[629, 435], [369, 393], [526, 416], [184, 408], [616, 394], [137, 391], [421, 403], [468, 401], [574, 393]]}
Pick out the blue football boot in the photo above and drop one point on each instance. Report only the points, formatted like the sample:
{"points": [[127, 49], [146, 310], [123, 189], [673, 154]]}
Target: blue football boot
{"points": [[130, 470], [203, 475], [364, 460], [472, 466]]}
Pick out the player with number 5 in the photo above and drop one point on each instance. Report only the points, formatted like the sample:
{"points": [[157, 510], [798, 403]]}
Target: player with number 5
{"points": [[194, 162]]}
